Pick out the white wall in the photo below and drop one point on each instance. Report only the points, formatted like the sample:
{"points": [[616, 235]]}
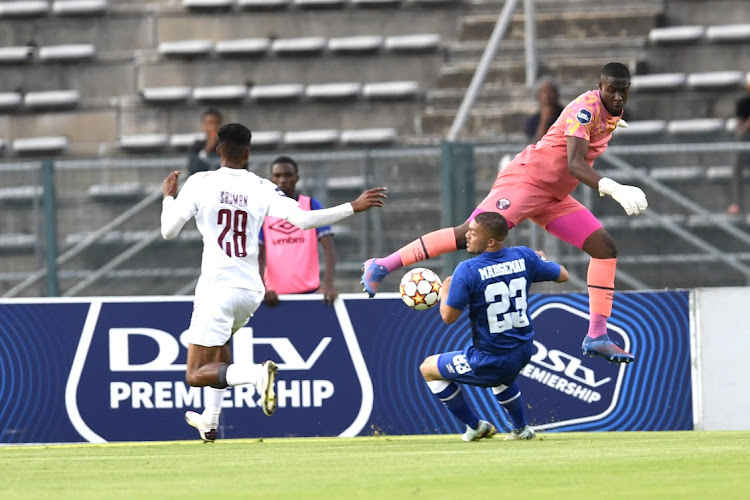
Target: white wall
{"points": [[720, 351]]}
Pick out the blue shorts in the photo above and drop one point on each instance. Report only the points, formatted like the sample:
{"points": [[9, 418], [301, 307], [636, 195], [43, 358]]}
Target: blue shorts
{"points": [[473, 367]]}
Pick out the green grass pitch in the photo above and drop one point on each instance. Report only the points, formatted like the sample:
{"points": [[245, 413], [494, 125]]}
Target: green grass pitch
{"points": [[557, 465]]}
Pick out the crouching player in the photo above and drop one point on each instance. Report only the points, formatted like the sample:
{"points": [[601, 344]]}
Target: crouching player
{"points": [[495, 286]]}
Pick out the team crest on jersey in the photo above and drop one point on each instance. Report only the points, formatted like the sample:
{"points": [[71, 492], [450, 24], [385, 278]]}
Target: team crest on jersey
{"points": [[502, 203], [584, 116]]}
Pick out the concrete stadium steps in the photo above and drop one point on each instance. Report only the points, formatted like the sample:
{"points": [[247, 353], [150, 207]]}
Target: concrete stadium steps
{"points": [[685, 12], [127, 29], [684, 269], [86, 129], [595, 23], [122, 284], [290, 116], [174, 25], [99, 78], [699, 57], [16, 264], [570, 71], [683, 104], [290, 70], [614, 48], [485, 122]]}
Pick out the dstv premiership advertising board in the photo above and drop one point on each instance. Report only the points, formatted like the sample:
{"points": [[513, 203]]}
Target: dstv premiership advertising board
{"points": [[113, 369]]}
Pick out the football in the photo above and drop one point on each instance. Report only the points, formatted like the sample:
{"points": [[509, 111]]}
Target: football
{"points": [[420, 288]]}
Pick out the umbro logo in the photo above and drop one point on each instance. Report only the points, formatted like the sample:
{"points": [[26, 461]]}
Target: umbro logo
{"points": [[284, 226]]}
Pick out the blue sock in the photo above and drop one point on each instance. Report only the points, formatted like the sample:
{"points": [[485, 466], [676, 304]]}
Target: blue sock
{"points": [[453, 399], [510, 399]]}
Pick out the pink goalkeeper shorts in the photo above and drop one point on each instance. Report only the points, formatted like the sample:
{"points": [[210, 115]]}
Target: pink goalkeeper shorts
{"points": [[517, 200]]}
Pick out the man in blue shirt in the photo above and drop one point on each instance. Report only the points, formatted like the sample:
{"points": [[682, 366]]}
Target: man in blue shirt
{"points": [[495, 285]]}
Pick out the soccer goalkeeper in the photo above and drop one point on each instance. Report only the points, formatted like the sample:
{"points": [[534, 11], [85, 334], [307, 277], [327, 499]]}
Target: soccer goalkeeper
{"points": [[537, 185]]}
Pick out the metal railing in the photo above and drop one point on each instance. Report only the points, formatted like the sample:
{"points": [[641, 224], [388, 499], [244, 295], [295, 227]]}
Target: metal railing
{"points": [[102, 241]]}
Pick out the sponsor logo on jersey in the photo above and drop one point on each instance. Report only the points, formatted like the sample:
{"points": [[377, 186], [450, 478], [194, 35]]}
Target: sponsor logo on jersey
{"points": [[284, 226], [502, 203], [584, 116]]}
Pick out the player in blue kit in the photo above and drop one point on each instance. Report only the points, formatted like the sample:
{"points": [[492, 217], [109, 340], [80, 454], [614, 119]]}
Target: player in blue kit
{"points": [[495, 286]]}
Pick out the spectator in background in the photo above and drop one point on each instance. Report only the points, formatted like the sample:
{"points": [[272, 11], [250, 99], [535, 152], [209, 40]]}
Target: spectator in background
{"points": [[203, 155], [548, 95], [741, 158], [288, 255]]}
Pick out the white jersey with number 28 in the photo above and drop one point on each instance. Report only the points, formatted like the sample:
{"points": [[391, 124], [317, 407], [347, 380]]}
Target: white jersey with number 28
{"points": [[229, 206]]}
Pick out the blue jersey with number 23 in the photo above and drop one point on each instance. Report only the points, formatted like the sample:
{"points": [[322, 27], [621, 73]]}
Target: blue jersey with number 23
{"points": [[495, 286]]}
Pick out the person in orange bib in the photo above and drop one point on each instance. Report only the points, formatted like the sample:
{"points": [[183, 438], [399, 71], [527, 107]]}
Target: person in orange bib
{"points": [[282, 243]]}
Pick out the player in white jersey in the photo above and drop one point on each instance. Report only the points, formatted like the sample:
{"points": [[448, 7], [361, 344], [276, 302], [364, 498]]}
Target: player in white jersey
{"points": [[229, 205]]}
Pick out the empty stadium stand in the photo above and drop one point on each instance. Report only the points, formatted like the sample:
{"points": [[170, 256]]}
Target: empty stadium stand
{"points": [[113, 90]]}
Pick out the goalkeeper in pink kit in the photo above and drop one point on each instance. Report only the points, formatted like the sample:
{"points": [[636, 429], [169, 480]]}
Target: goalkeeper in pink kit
{"points": [[537, 185]]}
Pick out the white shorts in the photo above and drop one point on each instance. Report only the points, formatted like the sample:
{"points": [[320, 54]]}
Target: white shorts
{"points": [[218, 312]]}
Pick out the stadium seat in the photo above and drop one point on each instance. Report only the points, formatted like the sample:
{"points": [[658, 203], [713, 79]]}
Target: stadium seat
{"points": [[355, 44], [308, 138], [719, 172], [333, 91], [266, 139], [243, 47], [34, 145], [77, 52], [390, 90], [310, 45], [412, 43], [658, 81], [220, 93], [13, 242], [696, 126], [716, 80], [124, 191], [24, 8], [289, 91], [52, 99], [10, 100], [4, 144], [20, 194], [728, 33], [375, 3], [642, 127], [369, 136], [318, 4], [13, 55], [165, 94], [79, 7], [143, 142], [186, 48], [432, 3], [731, 125], [208, 4], [689, 173], [184, 141], [263, 4], [676, 34]]}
